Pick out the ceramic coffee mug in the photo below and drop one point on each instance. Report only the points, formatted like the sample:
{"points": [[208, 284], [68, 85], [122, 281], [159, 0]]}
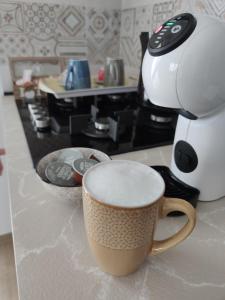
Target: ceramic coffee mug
{"points": [[78, 75], [122, 201]]}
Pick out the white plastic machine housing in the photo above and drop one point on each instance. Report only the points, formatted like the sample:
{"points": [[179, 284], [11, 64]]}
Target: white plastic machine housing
{"points": [[192, 78]]}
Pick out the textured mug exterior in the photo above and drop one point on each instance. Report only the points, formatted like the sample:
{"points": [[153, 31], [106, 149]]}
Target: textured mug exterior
{"points": [[120, 238]]}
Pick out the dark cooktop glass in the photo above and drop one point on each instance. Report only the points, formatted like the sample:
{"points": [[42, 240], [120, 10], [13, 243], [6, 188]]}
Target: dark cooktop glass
{"points": [[143, 135]]}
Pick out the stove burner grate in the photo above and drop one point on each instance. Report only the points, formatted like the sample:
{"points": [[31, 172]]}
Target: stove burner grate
{"points": [[91, 131]]}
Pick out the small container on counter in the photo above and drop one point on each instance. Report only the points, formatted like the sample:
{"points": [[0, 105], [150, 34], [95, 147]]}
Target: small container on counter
{"points": [[60, 174], [70, 155], [80, 166], [74, 193], [94, 156]]}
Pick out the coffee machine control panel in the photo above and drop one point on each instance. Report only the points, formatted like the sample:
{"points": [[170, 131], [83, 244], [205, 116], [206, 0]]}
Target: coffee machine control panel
{"points": [[171, 34]]}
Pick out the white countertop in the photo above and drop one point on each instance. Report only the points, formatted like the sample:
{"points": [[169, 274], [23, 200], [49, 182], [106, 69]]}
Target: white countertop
{"points": [[53, 261]]}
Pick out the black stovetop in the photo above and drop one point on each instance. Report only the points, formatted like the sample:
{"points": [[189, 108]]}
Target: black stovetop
{"points": [[142, 136]]}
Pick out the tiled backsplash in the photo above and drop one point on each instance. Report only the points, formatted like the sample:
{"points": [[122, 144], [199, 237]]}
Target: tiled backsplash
{"points": [[103, 34], [41, 29], [49, 28], [135, 19]]}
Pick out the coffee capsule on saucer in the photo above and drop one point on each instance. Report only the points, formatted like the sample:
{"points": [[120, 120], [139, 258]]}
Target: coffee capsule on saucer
{"points": [[93, 156], [60, 173], [69, 155], [80, 166]]}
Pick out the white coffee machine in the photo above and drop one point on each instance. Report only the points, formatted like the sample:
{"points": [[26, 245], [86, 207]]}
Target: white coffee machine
{"points": [[184, 68]]}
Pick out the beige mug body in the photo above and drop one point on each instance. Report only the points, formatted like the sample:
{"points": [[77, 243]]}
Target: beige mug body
{"points": [[120, 238]]}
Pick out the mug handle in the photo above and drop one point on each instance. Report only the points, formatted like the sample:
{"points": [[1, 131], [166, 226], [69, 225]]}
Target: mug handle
{"points": [[169, 205]]}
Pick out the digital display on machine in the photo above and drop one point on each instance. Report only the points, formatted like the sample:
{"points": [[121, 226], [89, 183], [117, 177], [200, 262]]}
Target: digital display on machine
{"points": [[171, 34]]}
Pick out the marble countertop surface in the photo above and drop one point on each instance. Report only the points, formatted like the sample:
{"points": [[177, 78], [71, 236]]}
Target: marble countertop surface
{"points": [[53, 261]]}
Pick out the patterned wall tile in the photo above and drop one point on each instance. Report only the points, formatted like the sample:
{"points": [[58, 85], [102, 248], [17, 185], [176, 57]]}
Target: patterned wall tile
{"points": [[210, 7], [103, 28], [184, 6], [77, 48], [14, 45], [40, 20], [134, 21], [71, 32], [143, 19], [127, 23], [71, 22], [50, 29], [111, 48], [163, 10], [41, 48], [130, 51], [11, 19]]}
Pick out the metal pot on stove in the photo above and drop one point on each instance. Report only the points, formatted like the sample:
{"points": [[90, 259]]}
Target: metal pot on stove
{"points": [[114, 72]]}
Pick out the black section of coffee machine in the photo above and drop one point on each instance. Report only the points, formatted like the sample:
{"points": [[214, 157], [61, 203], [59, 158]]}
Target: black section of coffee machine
{"points": [[177, 189]]}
